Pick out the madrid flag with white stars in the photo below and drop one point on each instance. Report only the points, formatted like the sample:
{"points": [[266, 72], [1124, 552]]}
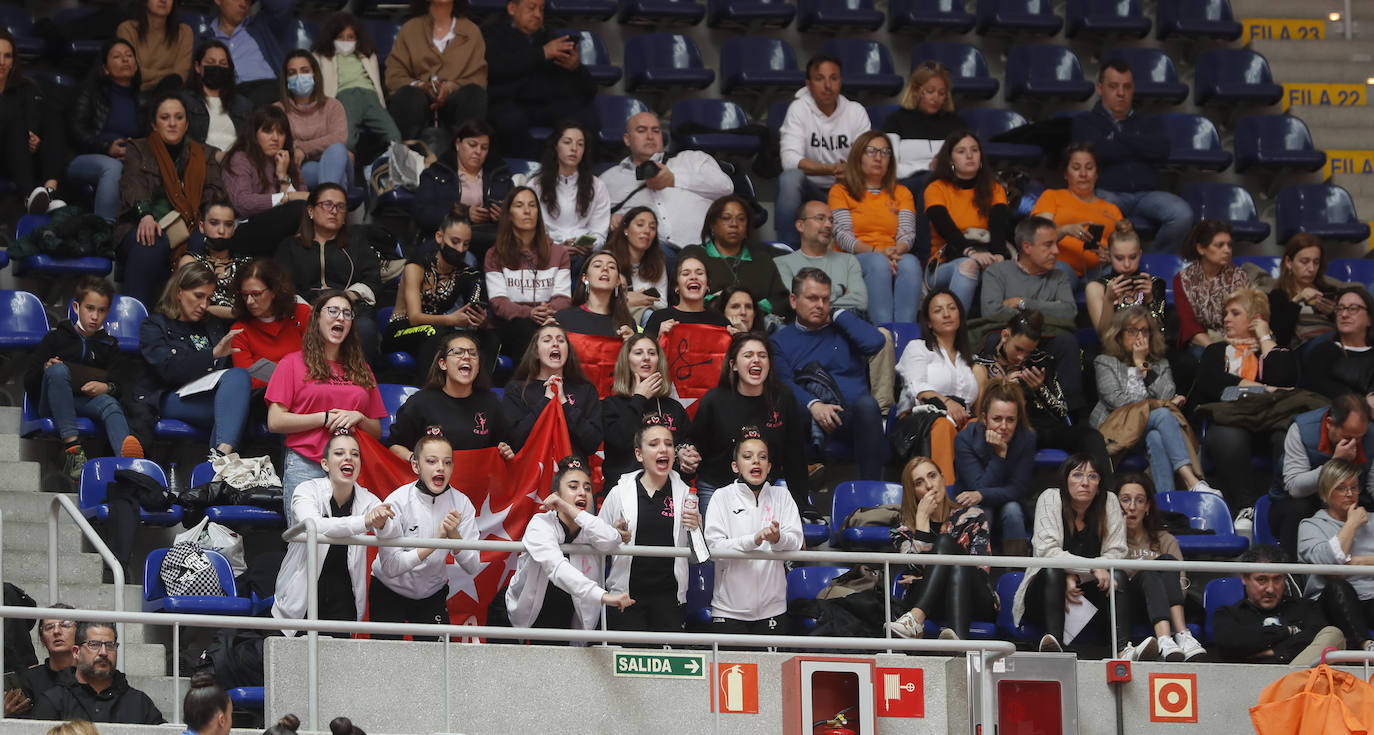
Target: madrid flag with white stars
{"points": [[505, 494]]}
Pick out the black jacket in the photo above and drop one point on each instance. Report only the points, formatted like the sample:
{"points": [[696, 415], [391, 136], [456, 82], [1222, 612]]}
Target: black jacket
{"points": [[916, 125], [622, 417], [36, 680], [90, 112], [65, 342], [1241, 631], [355, 262], [198, 114], [22, 103], [523, 402], [174, 359], [1128, 152], [120, 703], [518, 72], [439, 189]]}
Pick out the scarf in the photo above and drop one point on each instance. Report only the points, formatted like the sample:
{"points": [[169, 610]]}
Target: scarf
{"points": [[184, 192], [1242, 359], [1208, 296], [1327, 446]]}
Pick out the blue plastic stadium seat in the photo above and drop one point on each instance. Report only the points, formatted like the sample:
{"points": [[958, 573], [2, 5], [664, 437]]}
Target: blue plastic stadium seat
{"points": [[749, 13], [615, 110], [1154, 73], [1193, 141], [1043, 71], [254, 698], [31, 424], [1262, 505], [1217, 594], [23, 321], [1275, 142], [1105, 18], [814, 534], [85, 49], [1051, 459], [701, 588], [1323, 210], [487, 9], [4, 259], [1228, 203], [16, 20], [867, 65], [383, 34], [591, 50], [663, 60], [758, 62], [903, 334], [393, 360], [804, 583], [838, 15], [1354, 270], [662, 12], [1017, 17], [990, 122], [1266, 263], [716, 114], [1197, 19], [1234, 75], [853, 494], [1164, 265], [880, 112], [744, 186], [47, 265], [600, 10], [777, 113], [926, 16], [174, 430], [126, 314], [235, 515], [1204, 511], [968, 68], [156, 599], [393, 397], [97, 473], [1006, 592]]}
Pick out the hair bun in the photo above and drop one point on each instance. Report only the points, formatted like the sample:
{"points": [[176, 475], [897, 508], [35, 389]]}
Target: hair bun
{"points": [[1124, 226], [571, 462], [434, 431], [202, 679], [290, 722]]}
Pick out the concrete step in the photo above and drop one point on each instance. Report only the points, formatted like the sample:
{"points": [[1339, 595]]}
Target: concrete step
{"points": [[72, 567], [1277, 9], [28, 505], [1359, 186], [159, 689], [1298, 70], [20, 476], [1357, 51], [1327, 117], [1343, 139], [9, 420], [33, 536]]}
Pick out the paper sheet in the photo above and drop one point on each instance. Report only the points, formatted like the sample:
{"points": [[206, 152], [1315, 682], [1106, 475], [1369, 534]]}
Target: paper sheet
{"points": [[203, 384], [263, 369], [1077, 617]]}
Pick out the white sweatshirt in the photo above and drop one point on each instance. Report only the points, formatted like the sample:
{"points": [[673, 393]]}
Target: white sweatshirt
{"points": [[622, 502], [567, 224], [809, 133], [580, 575], [419, 514], [697, 182], [750, 589]]}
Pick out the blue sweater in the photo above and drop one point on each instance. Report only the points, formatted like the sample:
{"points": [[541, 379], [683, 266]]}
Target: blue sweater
{"points": [[977, 466], [1128, 151], [842, 347]]}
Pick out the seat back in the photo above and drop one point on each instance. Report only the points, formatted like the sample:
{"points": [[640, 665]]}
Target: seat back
{"points": [[903, 334], [1189, 132], [97, 474], [1309, 206], [804, 583], [1007, 585], [857, 56], [964, 60], [591, 50], [1257, 135], [1262, 505], [201, 474], [23, 321], [777, 113], [393, 397], [854, 494], [660, 51], [1217, 594], [615, 110], [383, 34], [1044, 62], [878, 113], [711, 113], [1176, 10], [701, 588], [1205, 511], [990, 122], [153, 588], [1233, 66], [126, 315], [1267, 263], [1015, 8], [1148, 65], [28, 223], [1225, 202], [522, 167], [1355, 270], [1103, 9], [756, 53], [1164, 265]]}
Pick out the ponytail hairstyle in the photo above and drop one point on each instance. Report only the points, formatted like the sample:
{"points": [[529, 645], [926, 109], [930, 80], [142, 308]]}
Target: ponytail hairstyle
{"points": [[1029, 323], [204, 700], [287, 725]]}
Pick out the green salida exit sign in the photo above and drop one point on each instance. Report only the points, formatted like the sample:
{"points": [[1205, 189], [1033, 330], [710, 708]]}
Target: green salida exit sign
{"points": [[663, 665]]}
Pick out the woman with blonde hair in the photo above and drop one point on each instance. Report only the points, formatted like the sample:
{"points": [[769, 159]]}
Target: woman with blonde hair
{"points": [[924, 119], [1339, 533], [1124, 284], [640, 387]]}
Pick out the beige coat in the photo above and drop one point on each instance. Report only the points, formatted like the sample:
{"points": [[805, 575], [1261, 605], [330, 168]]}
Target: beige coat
{"points": [[415, 58], [329, 74]]}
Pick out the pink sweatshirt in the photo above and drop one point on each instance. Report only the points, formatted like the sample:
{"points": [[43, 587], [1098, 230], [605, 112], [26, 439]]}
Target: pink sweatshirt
{"points": [[317, 129]]}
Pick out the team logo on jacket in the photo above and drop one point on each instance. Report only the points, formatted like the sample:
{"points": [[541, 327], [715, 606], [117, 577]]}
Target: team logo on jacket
{"points": [[668, 509], [774, 420], [479, 424]]}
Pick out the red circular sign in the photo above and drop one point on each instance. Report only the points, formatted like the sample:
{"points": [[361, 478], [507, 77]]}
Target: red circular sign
{"points": [[1173, 697]]}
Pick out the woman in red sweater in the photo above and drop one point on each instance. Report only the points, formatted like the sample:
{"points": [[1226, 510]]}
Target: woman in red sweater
{"points": [[269, 320]]}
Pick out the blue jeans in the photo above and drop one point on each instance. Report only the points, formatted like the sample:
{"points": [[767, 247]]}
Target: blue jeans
{"points": [[297, 468], [861, 425], [223, 411], [334, 167], [704, 492], [891, 298], [1165, 448], [145, 267], [948, 275], [1168, 212], [794, 189], [58, 400], [103, 172], [1011, 517]]}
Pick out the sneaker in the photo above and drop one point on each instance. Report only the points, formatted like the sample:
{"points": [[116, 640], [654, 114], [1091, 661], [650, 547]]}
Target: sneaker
{"points": [[131, 447], [1369, 646], [1192, 649], [38, 200], [72, 463], [906, 627], [948, 634], [1169, 649], [55, 205], [1148, 650], [1050, 644], [1203, 487]]}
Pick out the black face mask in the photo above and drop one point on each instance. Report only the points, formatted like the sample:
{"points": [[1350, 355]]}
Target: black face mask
{"points": [[217, 77], [451, 256], [218, 243]]}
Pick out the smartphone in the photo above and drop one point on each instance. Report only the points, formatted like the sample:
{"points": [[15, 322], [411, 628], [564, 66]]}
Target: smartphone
{"points": [[585, 241], [12, 680], [1096, 231], [651, 291]]}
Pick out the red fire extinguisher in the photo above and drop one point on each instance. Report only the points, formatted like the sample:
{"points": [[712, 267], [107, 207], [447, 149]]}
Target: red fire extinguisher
{"points": [[835, 726]]}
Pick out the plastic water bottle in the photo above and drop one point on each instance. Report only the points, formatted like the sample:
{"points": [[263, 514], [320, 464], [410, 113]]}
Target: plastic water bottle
{"points": [[696, 541]]}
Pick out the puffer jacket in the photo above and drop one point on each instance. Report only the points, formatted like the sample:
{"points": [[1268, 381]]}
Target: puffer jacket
{"points": [[439, 189]]}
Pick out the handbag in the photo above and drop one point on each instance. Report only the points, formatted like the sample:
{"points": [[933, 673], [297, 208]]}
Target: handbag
{"points": [[186, 570], [210, 535], [1318, 701], [862, 578], [175, 229], [241, 473]]}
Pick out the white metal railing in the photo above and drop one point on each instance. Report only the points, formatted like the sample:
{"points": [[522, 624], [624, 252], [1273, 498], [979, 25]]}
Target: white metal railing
{"points": [[63, 504]]}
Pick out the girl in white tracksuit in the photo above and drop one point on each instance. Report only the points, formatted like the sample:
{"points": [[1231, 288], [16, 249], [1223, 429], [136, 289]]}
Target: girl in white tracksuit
{"points": [[551, 589], [341, 508], [649, 501], [410, 585], [751, 515]]}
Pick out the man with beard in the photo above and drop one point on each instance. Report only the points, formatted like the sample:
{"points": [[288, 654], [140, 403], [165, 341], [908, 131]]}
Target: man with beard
{"points": [[98, 692]]}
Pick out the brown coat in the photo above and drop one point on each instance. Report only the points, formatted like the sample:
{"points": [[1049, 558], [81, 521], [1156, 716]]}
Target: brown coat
{"points": [[414, 57], [141, 181], [1125, 428]]}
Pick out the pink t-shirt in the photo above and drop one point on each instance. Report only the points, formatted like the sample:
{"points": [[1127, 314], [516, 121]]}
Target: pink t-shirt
{"points": [[292, 387]]}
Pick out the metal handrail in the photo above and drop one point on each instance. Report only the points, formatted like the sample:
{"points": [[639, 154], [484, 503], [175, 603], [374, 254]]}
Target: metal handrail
{"points": [[65, 504]]}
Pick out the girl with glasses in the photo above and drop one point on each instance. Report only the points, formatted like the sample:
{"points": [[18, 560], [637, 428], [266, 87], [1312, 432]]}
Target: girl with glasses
{"points": [[1345, 364], [456, 397]]}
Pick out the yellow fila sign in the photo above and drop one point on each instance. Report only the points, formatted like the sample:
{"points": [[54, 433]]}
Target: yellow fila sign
{"points": [[1349, 162], [1283, 29], [1332, 95]]}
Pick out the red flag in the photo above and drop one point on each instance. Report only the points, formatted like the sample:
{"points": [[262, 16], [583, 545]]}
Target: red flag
{"points": [[597, 355], [505, 494], [694, 353]]}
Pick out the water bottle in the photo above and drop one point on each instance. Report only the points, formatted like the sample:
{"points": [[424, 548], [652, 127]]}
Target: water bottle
{"points": [[695, 540]]}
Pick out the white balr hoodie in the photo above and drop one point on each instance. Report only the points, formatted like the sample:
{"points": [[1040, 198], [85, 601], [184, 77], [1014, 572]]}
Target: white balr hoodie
{"points": [[311, 500], [418, 514], [580, 575], [809, 133], [622, 502], [751, 589]]}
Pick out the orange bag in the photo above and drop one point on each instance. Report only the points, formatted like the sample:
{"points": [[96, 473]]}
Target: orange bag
{"points": [[1317, 701]]}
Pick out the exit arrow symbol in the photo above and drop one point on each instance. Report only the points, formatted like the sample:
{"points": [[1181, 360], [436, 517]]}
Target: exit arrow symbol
{"points": [[693, 666]]}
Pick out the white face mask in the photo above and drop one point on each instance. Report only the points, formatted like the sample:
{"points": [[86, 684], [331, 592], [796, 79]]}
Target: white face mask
{"points": [[345, 48]]}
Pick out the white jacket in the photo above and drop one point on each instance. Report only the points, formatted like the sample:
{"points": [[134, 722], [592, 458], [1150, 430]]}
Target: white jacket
{"points": [[697, 182], [418, 515], [622, 502], [580, 575], [809, 133], [1047, 540], [311, 500], [750, 589], [567, 224]]}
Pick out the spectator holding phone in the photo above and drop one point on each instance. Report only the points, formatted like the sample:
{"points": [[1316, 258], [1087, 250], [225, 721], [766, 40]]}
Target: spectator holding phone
{"points": [[1124, 285], [643, 260], [469, 176], [576, 204], [1083, 219]]}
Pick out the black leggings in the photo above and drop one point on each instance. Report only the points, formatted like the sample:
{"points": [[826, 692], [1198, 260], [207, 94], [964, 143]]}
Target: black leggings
{"points": [[386, 605], [1286, 515], [659, 613], [959, 593], [410, 109], [1045, 602], [1344, 608], [1156, 592]]}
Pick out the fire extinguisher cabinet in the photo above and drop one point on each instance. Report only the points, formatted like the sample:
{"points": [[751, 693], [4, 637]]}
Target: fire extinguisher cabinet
{"points": [[816, 688]]}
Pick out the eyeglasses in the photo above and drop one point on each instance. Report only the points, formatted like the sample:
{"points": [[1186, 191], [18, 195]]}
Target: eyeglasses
{"points": [[55, 626], [338, 312], [876, 152], [332, 207], [1085, 476], [824, 217], [1135, 331], [96, 646], [1350, 308], [1352, 489], [1134, 501], [252, 295], [461, 352]]}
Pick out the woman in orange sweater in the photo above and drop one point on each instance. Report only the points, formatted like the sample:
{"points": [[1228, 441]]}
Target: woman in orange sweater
{"points": [[969, 218], [1083, 219], [875, 219]]}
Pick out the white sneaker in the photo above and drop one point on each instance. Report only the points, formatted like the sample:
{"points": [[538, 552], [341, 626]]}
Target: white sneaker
{"points": [[1148, 650], [1169, 649], [1203, 487], [37, 200], [1369, 646], [906, 627], [1050, 644], [55, 205], [948, 634], [1191, 648]]}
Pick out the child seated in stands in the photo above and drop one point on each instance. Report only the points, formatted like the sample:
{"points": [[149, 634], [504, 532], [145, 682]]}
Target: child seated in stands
{"points": [[410, 585], [751, 514], [71, 375]]}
